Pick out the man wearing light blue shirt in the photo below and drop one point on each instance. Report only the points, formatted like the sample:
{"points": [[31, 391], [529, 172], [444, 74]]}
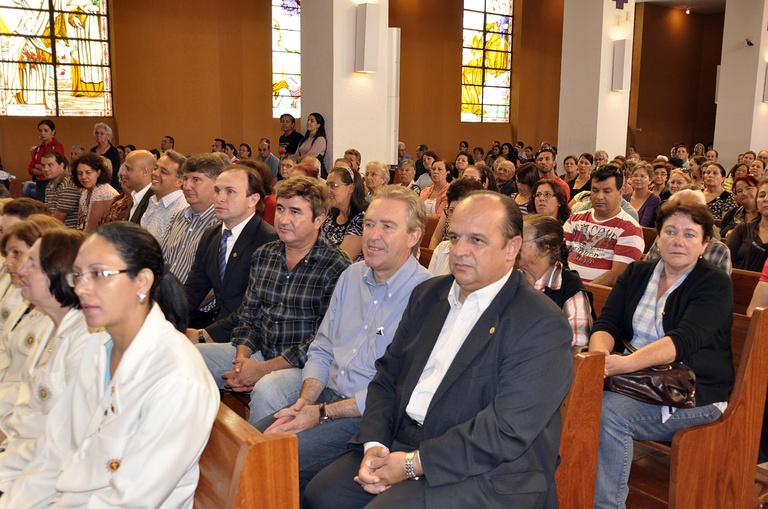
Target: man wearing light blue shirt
{"points": [[361, 320]]}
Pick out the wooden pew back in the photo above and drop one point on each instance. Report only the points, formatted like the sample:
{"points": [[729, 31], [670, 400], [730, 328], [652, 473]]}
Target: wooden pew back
{"points": [[580, 412], [242, 468], [724, 452], [744, 283], [430, 229], [714, 465], [649, 236]]}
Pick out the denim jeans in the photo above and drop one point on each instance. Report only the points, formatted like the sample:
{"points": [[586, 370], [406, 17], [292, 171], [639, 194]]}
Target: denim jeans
{"points": [[624, 420], [274, 391]]}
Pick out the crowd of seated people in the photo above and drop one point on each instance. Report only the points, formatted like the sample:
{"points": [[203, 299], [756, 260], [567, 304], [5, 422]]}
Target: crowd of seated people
{"points": [[300, 285]]}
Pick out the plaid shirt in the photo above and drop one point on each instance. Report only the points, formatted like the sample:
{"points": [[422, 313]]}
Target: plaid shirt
{"points": [[282, 308], [647, 322], [577, 308]]}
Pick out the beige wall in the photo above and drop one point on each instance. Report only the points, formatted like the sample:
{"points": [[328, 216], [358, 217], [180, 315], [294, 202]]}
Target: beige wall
{"points": [[673, 79]]}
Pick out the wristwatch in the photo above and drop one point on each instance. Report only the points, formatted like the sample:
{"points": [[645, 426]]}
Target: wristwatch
{"points": [[323, 416], [200, 336], [410, 473]]}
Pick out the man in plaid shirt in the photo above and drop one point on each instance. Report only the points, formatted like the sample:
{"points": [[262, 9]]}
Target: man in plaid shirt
{"points": [[289, 290]]}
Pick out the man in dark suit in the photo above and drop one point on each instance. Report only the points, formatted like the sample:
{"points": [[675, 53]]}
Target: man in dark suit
{"points": [[237, 200], [464, 408], [138, 168]]}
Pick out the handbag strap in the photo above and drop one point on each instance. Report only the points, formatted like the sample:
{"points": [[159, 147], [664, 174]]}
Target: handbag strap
{"points": [[629, 346]]}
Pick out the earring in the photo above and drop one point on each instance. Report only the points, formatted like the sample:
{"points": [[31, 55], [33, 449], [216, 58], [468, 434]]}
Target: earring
{"points": [[142, 298]]}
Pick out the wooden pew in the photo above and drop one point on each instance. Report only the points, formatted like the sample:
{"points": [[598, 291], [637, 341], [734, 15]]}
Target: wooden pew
{"points": [[744, 283], [714, 465], [580, 412], [431, 225], [425, 256], [649, 236], [242, 468]]}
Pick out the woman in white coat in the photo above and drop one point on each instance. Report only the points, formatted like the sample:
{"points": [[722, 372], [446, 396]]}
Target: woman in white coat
{"points": [[130, 430], [24, 325], [53, 364]]}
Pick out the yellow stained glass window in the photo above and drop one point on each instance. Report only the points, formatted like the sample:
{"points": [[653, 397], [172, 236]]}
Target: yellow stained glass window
{"points": [[286, 58], [486, 61], [55, 58]]}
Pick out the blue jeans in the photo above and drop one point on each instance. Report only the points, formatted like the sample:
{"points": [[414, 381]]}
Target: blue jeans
{"points": [[274, 391], [320, 445], [624, 420]]}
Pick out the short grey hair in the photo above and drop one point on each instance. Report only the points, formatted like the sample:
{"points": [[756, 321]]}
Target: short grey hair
{"points": [[106, 128], [416, 212], [379, 167]]}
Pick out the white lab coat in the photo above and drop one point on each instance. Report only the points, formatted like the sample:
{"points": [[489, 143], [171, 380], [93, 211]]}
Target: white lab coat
{"points": [[46, 374], [21, 337], [135, 443]]}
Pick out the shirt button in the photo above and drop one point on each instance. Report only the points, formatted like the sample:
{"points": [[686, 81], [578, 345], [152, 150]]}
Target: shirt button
{"points": [[354, 350], [375, 302], [342, 371], [365, 327]]}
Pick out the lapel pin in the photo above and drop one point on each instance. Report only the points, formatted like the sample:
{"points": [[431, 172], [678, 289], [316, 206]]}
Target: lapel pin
{"points": [[234, 255], [493, 329]]}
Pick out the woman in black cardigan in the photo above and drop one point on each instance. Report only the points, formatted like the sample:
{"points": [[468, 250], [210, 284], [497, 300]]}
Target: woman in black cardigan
{"points": [[679, 308]]}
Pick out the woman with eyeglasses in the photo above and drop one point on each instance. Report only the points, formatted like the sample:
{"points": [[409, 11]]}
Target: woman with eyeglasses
{"points": [[641, 198], [549, 200], [140, 408], [748, 241], [90, 173], [719, 201], [51, 366], [745, 191], [344, 224], [660, 180], [376, 177]]}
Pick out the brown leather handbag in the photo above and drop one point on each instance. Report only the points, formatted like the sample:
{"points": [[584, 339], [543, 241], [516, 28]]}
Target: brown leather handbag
{"points": [[667, 385]]}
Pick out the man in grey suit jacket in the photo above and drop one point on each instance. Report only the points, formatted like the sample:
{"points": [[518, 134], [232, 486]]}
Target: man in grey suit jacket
{"points": [[464, 408]]}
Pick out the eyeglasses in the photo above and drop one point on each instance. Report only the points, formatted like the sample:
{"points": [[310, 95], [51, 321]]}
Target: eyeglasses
{"points": [[334, 185], [546, 195], [95, 276]]}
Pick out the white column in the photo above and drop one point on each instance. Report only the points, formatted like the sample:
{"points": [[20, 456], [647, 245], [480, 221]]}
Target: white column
{"points": [[742, 116], [592, 115], [354, 104]]}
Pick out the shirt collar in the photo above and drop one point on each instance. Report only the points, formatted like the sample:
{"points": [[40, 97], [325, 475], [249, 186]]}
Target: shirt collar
{"points": [[237, 230], [483, 297], [396, 280], [552, 278]]}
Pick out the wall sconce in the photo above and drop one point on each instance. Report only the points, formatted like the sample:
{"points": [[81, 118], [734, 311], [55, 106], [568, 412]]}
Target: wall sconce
{"points": [[765, 86], [620, 78], [367, 38]]}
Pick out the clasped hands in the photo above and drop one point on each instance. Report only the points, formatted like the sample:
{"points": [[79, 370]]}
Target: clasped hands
{"points": [[297, 417], [380, 470], [244, 374]]}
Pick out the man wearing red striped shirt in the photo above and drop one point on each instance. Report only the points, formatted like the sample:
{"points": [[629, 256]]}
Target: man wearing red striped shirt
{"points": [[603, 240]]}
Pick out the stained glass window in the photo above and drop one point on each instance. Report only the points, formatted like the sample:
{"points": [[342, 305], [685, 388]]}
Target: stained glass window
{"points": [[286, 57], [54, 58], [486, 61]]}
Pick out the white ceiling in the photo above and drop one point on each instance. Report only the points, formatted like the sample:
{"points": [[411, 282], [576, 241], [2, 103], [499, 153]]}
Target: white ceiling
{"points": [[696, 6]]}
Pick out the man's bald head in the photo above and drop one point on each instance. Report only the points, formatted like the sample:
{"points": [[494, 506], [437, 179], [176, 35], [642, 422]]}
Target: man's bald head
{"points": [[139, 165]]}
